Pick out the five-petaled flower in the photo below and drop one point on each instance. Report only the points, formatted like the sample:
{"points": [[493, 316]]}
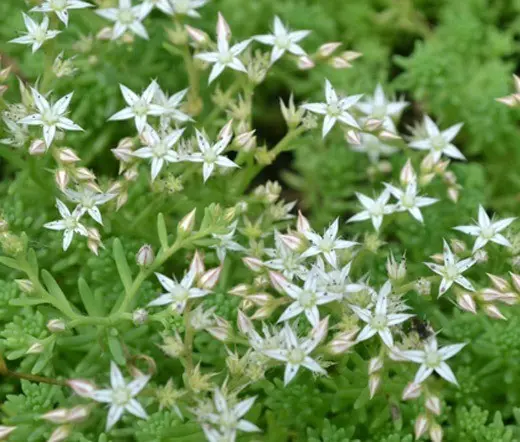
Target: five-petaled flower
{"points": [[61, 8], [373, 147], [121, 396], [379, 321], [139, 107], [334, 109], [452, 270], [69, 223], [282, 40], [487, 230], [36, 34], [50, 117], [437, 142], [125, 17], [88, 201], [374, 209], [409, 200], [431, 359]]}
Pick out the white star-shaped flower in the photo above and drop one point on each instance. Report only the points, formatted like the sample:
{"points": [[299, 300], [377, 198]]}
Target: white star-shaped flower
{"points": [[121, 396], [285, 260], [187, 7], [225, 56], [139, 107], [374, 209], [439, 143], [171, 107], [379, 321], [225, 242], [282, 40], [18, 133], [69, 223], [373, 147], [306, 299], [295, 352], [159, 148], [379, 108], [487, 230], [88, 201], [50, 117], [126, 17], [178, 293], [61, 8], [336, 281], [431, 359], [36, 34], [334, 109], [452, 270], [409, 200], [227, 418], [164, 6], [327, 244], [210, 155]]}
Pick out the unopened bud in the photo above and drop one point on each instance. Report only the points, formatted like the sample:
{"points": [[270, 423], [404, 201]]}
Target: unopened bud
{"points": [[145, 256], [427, 164], [223, 28], [500, 283], [246, 140], [436, 432], [458, 246], [226, 131], [79, 413], [467, 303], [433, 403], [197, 35], [254, 264], [396, 271], [351, 55], [140, 316], [5, 431], [374, 382], [375, 364], [37, 147], [239, 290], [407, 174], [221, 331], [62, 179], [453, 194], [480, 256], [82, 387], [83, 174], [209, 279], [35, 348], [105, 33], [412, 391], [187, 223], [60, 434], [56, 325], [340, 344], [516, 281], [305, 63], [197, 264], [353, 137], [58, 416], [122, 198], [25, 285], [340, 63], [123, 154], [68, 156], [326, 50], [278, 281], [421, 425], [493, 312], [372, 124], [386, 135]]}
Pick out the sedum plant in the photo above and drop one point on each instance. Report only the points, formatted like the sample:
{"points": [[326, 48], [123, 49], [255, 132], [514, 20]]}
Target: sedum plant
{"points": [[163, 280]]}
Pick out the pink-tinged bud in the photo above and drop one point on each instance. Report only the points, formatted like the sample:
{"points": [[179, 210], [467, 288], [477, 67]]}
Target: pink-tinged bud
{"points": [[319, 332], [509, 298], [197, 35], [60, 434], [244, 139], [386, 135], [245, 325], [145, 256], [122, 198], [79, 413], [340, 63], [372, 124], [58, 416], [82, 387], [427, 164], [302, 224], [209, 279], [62, 179], [436, 432], [421, 425], [326, 50], [490, 295], [351, 55], [467, 303], [374, 382], [260, 299], [407, 173], [223, 28], [441, 167], [278, 281], [25, 285], [68, 156], [500, 283], [481, 256], [226, 131], [4, 73], [453, 194], [516, 281], [83, 174], [339, 345], [131, 174], [187, 223], [305, 63], [509, 100], [197, 266], [353, 137], [375, 364], [458, 246], [264, 312], [424, 180], [412, 391], [292, 241], [36, 348], [221, 331], [254, 264], [239, 290], [123, 154], [438, 258], [246, 304], [5, 431], [37, 147], [140, 316], [105, 33], [56, 325], [493, 312], [433, 403]]}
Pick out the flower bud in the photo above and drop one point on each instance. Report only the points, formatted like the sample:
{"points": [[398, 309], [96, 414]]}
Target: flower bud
{"points": [[37, 147], [3, 89], [375, 364], [493, 312], [278, 281], [83, 174], [372, 124], [433, 403], [239, 290], [123, 154], [60, 434], [246, 141], [105, 33], [62, 179], [78, 413], [481, 256], [56, 325], [427, 164], [5, 431], [245, 325], [197, 265], [68, 156], [340, 345], [426, 179], [223, 27], [221, 331], [35, 348], [396, 271], [386, 135], [421, 425], [254, 264], [187, 223], [260, 299], [326, 50], [351, 55], [82, 387], [412, 391], [209, 279], [340, 63], [226, 131], [4, 73], [173, 346], [57, 416], [458, 246], [500, 283], [407, 174], [374, 382], [453, 194], [140, 316], [516, 281], [436, 432], [145, 256], [467, 303], [305, 63], [25, 285], [353, 137], [197, 35]]}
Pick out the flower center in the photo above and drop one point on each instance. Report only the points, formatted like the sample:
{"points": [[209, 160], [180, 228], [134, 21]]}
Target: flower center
{"points": [[325, 245], [140, 108], [378, 322], [226, 57], [307, 299], [488, 232], [181, 6], [181, 294], [39, 35], [70, 223], [121, 396], [160, 150], [296, 356], [58, 5], [433, 360], [282, 41], [379, 111], [451, 272], [333, 109], [49, 118], [210, 156], [376, 209], [408, 201], [126, 16], [438, 142]]}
